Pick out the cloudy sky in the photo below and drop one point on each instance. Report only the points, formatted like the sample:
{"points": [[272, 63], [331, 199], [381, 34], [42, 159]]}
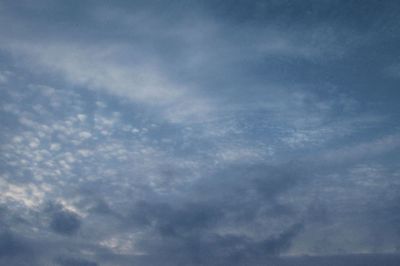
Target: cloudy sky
{"points": [[187, 133]]}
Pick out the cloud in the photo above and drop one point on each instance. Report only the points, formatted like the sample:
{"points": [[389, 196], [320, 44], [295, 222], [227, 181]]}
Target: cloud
{"points": [[16, 250], [362, 151], [217, 249], [11, 245], [64, 222], [62, 261], [217, 227], [4, 76], [164, 77], [235, 133], [170, 222]]}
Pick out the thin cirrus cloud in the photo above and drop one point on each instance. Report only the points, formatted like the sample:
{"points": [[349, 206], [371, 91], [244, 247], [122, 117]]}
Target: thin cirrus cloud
{"points": [[198, 134]]}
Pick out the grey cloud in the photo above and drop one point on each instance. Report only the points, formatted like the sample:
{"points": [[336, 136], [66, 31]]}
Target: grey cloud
{"points": [[175, 221], [281, 242], [16, 250], [350, 260], [101, 207], [12, 245], [10, 218], [194, 230], [65, 222], [345, 260], [214, 249], [248, 189], [65, 261]]}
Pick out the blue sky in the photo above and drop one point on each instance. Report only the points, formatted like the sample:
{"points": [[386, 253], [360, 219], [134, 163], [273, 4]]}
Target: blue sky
{"points": [[199, 133]]}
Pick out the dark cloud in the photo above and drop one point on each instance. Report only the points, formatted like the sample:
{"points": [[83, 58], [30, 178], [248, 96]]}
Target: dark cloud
{"points": [[99, 206], [282, 242], [175, 221], [242, 192], [65, 222], [12, 246], [345, 260], [16, 250], [214, 249], [9, 218], [239, 195], [64, 261], [189, 234]]}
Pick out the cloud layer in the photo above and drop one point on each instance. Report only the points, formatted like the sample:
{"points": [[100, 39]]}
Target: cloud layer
{"points": [[212, 133]]}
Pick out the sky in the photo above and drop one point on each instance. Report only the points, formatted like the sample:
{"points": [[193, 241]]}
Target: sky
{"points": [[188, 133]]}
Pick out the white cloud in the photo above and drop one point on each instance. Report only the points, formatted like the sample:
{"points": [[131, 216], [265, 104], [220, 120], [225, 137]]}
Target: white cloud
{"points": [[29, 195], [55, 146], [81, 117], [85, 135]]}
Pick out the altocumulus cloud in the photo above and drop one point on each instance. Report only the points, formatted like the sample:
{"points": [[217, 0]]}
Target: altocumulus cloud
{"points": [[199, 133]]}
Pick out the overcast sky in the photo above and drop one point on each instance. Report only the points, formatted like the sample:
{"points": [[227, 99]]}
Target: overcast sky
{"points": [[187, 133]]}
